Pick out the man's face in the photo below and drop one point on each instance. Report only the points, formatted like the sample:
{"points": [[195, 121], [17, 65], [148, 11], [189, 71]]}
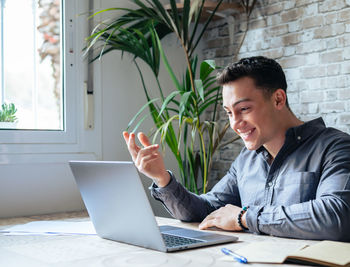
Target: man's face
{"points": [[251, 114]]}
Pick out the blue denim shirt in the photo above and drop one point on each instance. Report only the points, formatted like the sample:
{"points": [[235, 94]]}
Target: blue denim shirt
{"points": [[304, 193]]}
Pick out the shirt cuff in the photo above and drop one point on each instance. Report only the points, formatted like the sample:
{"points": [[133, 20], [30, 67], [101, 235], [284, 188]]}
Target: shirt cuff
{"points": [[252, 218], [161, 193]]}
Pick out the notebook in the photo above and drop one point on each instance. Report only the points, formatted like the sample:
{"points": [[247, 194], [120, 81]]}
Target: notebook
{"points": [[119, 209], [326, 253]]}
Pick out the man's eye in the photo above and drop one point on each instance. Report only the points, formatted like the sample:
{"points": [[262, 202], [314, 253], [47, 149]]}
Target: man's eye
{"points": [[229, 113], [244, 109]]}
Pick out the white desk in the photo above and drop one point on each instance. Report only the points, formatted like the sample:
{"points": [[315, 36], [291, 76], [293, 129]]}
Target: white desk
{"points": [[79, 251]]}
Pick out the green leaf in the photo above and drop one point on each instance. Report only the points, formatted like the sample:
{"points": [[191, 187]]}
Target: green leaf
{"points": [[165, 127], [167, 100], [183, 102], [140, 122], [192, 167], [203, 156], [102, 11], [204, 28], [140, 111], [194, 7], [209, 81], [212, 99], [7, 113], [199, 88], [175, 14], [211, 63], [206, 67], [177, 103], [204, 107], [173, 110], [196, 22], [186, 20], [162, 13], [167, 65], [214, 90], [155, 52]]}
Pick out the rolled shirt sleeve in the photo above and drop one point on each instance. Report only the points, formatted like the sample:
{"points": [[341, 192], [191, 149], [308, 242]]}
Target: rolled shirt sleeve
{"points": [[324, 218]]}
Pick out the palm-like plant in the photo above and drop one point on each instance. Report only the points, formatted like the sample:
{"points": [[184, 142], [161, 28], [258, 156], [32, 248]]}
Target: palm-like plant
{"points": [[188, 112], [139, 32]]}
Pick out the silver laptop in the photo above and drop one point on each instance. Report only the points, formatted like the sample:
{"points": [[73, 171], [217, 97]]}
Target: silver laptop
{"points": [[119, 209]]}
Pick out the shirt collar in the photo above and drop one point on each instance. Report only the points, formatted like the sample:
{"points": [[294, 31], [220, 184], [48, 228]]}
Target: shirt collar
{"points": [[305, 130], [299, 133]]}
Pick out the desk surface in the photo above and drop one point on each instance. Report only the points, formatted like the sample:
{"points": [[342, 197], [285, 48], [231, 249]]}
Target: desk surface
{"points": [[78, 251]]}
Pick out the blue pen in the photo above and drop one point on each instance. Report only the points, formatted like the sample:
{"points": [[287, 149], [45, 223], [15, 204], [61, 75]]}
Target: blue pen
{"points": [[237, 257]]}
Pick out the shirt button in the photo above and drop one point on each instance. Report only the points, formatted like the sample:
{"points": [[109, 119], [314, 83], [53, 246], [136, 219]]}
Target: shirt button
{"points": [[270, 184], [299, 137]]}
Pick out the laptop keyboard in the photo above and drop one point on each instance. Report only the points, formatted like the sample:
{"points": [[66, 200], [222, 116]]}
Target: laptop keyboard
{"points": [[176, 241]]}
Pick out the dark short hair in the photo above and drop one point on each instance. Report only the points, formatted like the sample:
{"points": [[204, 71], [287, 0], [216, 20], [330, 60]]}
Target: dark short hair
{"points": [[266, 73]]}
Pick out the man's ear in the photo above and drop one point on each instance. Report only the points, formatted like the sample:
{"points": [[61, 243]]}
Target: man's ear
{"points": [[279, 98]]}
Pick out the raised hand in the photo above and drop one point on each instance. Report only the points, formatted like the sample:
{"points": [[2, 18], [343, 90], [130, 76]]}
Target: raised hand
{"points": [[147, 159]]}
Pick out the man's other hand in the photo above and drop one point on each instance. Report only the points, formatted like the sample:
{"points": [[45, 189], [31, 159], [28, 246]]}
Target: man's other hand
{"points": [[148, 159], [224, 218]]}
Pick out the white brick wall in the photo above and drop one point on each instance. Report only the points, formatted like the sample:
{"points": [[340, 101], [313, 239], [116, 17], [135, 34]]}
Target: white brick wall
{"points": [[310, 39]]}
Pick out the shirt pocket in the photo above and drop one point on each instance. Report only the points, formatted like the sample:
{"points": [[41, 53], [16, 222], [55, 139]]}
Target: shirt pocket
{"points": [[295, 187]]}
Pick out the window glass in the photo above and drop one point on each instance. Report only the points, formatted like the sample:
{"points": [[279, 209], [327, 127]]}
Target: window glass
{"points": [[31, 64]]}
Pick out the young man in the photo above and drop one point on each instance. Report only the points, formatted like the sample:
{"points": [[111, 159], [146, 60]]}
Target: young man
{"points": [[292, 178]]}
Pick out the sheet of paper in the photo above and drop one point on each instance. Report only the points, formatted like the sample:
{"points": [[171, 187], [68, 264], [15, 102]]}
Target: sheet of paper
{"points": [[52, 228], [269, 252]]}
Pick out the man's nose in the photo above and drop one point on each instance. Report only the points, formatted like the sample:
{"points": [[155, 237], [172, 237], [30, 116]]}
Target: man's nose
{"points": [[236, 122]]}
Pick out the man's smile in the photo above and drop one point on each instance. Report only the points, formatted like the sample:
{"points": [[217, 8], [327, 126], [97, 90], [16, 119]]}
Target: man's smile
{"points": [[246, 134]]}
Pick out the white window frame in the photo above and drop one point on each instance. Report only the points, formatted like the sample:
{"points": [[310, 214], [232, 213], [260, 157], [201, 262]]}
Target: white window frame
{"points": [[74, 141]]}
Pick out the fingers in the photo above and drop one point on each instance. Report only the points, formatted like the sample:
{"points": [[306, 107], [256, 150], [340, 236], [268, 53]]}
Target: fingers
{"points": [[132, 147], [223, 218], [126, 136], [146, 162], [144, 139], [146, 152], [141, 157], [207, 223]]}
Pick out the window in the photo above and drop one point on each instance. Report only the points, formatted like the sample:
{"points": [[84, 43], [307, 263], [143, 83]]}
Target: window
{"points": [[35, 176], [31, 63], [38, 66], [43, 73]]}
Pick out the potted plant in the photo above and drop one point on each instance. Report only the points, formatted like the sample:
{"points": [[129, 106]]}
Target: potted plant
{"points": [[8, 117], [139, 32]]}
